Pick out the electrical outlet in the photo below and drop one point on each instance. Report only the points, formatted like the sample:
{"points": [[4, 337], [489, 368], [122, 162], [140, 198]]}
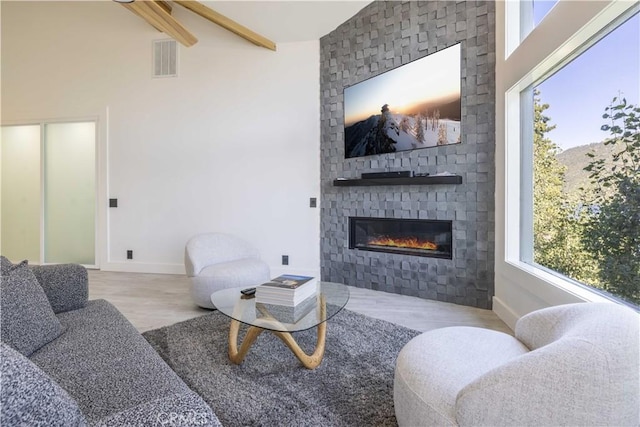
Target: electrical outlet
{"points": [[313, 202], [129, 254], [285, 259]]}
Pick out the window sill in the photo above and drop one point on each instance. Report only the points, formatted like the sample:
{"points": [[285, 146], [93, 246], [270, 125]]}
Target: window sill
{"points": [[562, 283]]}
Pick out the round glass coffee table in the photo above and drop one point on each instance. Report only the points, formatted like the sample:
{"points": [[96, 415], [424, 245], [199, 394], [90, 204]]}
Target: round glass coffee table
{"points": [[330, 299]]}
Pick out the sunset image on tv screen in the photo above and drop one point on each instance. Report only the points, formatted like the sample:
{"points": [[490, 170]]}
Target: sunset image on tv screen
{"points": [[414, 106]]}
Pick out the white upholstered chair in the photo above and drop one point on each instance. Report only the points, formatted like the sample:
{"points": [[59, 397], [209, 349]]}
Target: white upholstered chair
{"points": [[217, 261], [569, 365]]}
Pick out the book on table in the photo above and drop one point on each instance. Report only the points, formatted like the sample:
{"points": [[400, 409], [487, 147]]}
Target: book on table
{"points": [[285, 313], [287, 289]]}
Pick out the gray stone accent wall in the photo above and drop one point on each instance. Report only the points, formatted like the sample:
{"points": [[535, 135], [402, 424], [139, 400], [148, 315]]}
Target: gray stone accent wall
{"points": [[383, 36]]}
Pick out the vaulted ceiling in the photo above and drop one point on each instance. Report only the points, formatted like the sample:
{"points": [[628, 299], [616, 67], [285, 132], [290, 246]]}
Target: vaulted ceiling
{"points": [[263, 23]]}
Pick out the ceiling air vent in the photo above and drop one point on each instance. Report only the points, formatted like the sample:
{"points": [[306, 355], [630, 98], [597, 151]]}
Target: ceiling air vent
{"points": [[165, 58]]}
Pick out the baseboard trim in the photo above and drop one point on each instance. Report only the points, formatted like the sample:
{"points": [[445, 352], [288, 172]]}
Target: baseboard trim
{"points": [[141, 267], [504, 312]]}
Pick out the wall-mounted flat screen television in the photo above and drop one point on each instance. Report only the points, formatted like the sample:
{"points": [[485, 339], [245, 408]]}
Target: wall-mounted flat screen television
{"points": [[413, 106]]}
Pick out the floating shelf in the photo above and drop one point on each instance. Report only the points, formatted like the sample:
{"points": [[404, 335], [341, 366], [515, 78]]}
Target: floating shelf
{"points": [[415, 180]]}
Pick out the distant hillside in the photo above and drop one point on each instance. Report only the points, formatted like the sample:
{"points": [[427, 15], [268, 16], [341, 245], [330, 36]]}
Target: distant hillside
{"points": [[576, 159]]}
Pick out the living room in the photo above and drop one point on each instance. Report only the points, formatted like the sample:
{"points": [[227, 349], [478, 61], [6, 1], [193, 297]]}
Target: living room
{"points": [[244, 137]]}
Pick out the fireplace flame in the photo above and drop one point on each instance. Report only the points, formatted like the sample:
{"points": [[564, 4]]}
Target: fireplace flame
{"points": [[405, 242]]}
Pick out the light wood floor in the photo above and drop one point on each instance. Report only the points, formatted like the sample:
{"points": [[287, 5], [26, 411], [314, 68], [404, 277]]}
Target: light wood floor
{"points": [[151, 301]]}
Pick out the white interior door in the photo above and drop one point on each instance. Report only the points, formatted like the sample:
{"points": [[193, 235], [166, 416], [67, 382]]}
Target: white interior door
{"points": [[70, 192]]}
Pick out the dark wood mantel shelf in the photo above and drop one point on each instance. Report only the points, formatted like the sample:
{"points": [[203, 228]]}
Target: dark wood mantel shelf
{"points": [[415, 180]]}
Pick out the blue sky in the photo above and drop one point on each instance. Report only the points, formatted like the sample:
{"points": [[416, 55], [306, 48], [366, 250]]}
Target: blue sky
{"points": [[578, 93]]}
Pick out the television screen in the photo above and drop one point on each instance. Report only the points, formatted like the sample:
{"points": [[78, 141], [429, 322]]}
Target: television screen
{"points": [[413, 106]]}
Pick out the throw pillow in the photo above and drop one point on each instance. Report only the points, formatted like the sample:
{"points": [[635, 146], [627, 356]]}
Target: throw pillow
{"points": [[27, 321], [30, 397], [65, 285], [5, 265]]}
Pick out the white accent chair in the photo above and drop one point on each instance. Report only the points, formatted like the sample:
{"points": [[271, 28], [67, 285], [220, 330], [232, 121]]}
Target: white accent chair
{"points": [[569, 365], [217, 261]]}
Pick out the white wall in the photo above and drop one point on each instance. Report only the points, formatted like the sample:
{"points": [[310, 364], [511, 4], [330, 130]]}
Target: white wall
{"points": [[521, 288], [230, 145]]}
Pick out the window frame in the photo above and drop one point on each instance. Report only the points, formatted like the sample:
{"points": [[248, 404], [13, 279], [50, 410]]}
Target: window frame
{"points": [[570, 28]]}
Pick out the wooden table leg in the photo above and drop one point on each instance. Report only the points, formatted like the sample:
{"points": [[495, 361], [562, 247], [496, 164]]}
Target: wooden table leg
{"points": [[309, 361], [238, 356]]}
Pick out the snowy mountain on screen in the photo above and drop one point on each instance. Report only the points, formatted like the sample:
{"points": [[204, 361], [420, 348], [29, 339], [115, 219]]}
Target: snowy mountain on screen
{"points": [[390, 132]]}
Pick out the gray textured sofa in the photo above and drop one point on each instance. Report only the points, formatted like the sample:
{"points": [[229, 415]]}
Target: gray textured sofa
{"points": [[69, 361]]}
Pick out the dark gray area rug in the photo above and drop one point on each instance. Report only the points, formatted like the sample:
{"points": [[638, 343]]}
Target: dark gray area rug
{"points": [[352, 387]]}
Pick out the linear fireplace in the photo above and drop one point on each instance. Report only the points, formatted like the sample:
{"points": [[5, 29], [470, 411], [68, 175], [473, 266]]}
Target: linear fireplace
{"points": [[420, 237]]}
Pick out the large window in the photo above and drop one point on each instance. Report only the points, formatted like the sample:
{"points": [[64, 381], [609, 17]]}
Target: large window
{"points": [[581, 165], [565, 234]]}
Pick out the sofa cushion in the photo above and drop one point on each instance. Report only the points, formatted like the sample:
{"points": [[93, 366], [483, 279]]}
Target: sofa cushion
{"points": [[104, 363], [28, 396], [27, 320]]}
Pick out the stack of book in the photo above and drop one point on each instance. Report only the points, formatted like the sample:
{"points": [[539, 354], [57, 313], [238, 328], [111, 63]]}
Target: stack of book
{"points": [[288, 298], [284, 313]]}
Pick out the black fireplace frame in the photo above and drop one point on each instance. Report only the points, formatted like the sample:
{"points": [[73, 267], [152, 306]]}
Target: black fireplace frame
{"points": [[449, 243]]}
